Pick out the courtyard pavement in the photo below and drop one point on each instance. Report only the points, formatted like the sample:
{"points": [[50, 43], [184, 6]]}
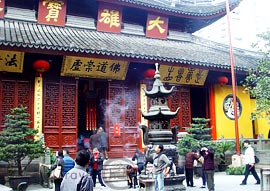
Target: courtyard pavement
{"points": [[223, 182]]}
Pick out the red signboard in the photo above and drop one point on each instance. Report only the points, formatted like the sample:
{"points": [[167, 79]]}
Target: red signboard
{"points": [[116, 128], [52, 12], [109, 18], [156, 26], [2, 8]]}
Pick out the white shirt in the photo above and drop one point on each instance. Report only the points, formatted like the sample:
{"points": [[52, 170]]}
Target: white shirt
{"points": [[249, 155]]}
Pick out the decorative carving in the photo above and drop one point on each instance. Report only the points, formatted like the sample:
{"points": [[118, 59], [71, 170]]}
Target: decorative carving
{"points": [[60, 111], [116, 140], [51, 106], [15, 93], [52, 139], [130, 139], [130, 105], [174, 103], [185, 100], [69, 139], [69, 106]]}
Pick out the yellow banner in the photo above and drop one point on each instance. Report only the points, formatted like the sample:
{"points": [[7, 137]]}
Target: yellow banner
{"points": [[94, 68], [38, 105], [182, 75], [11, 61]]}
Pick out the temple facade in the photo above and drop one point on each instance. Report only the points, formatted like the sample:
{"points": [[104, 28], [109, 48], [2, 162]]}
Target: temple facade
{"points": [[79, 65]]}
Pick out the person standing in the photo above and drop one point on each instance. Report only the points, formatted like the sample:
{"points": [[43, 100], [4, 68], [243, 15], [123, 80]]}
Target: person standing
{"points": [[68, 161], [208, 167], [250, 163], [131, 173], [77, 178], [96, 162], [201, 160], [103, 141], [58, 162], [189, 163], [94, 141], [161, 165], [139, 156]]}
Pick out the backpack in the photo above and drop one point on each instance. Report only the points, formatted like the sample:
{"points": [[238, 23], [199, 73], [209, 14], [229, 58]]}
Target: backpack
{"points": [[257, 160]]}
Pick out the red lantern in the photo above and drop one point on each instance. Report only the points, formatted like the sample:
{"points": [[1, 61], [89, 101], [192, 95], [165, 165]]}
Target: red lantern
{"points": [[149, 74], [223, 80], [41, 66]]}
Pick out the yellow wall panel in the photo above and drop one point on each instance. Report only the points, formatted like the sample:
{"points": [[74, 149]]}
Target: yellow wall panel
{"points": [[225, 126]]}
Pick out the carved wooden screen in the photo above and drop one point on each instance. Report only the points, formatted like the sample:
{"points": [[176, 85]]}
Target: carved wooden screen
{"points": [[14, 93], [180, 98], [60, 114], [123, 110]]}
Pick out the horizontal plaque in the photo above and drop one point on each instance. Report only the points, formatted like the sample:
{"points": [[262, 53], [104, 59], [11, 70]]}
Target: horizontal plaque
{"points": [[94, 68]]}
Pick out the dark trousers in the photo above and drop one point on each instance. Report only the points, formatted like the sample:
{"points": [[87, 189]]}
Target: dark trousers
{"points": [[133, 179], [140, 167], [57, 184], [189, 176], [209, 175], [203, 178], [253, 171], [96, 173]]}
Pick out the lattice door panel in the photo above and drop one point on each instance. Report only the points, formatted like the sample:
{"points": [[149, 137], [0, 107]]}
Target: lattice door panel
{"points": [[60, 114], [180, 98], [123, 110], [14, 93]]}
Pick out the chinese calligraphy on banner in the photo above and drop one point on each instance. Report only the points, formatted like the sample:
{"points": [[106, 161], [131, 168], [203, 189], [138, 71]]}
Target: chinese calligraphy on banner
{"points": [[109, 18], [52, 12], [157, 26], [2, 8], [183, 75], [11, 61], [38, 105], [94, 68]]}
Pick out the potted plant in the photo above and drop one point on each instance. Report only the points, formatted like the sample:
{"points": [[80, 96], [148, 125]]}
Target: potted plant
{"points": [[198, 136], [220, 153], [18, 143]]}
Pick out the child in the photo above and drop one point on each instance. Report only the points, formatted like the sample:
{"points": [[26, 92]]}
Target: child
{"points": [[131, 172]]}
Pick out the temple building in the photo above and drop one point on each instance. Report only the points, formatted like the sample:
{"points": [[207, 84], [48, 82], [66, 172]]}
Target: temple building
{"points": [[79, 65]]}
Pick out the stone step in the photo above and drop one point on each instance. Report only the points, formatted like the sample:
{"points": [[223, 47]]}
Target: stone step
{"points": [[115, 169], [5, 188]]}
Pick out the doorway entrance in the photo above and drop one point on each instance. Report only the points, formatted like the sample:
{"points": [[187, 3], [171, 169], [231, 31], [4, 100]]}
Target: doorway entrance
{"points": [[199, 102], [91, 109]]}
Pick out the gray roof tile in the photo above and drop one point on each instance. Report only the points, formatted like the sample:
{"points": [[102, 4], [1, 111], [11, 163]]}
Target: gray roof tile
{"points": [[196, 9], [188, 50]]}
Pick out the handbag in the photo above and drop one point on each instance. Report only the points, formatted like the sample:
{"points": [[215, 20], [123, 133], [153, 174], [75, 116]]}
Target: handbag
{"points": [[56, 173], [257, 160]]}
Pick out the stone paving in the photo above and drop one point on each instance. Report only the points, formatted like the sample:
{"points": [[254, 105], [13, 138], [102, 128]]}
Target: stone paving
{"points": [[223, 182]]}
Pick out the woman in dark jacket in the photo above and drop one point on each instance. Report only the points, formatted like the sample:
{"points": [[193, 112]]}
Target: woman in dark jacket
{"points": [[208, 167], [58, 162]]}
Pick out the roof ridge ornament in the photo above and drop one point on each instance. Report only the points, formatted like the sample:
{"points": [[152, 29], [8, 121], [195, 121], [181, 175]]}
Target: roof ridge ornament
{"points": [[157, 73]]}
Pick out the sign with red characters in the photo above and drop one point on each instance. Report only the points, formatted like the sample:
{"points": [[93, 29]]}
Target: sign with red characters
{"points": [[2, 8], [109, 18], [156, 26], [52, 12], [116, 132]]}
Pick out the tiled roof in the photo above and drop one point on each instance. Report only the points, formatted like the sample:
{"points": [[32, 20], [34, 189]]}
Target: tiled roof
{"points": [[184, 7], [186, 50]]}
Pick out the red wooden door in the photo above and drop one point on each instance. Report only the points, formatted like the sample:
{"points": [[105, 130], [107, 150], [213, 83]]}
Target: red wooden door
{"points": [[180, 98], [123, 110], [60, 114]]}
